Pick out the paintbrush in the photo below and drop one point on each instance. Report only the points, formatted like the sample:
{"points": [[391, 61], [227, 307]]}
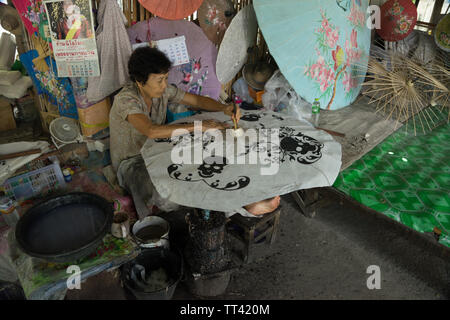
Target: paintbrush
{"points": [[234, 118]]}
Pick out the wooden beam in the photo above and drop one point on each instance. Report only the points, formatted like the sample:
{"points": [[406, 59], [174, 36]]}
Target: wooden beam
{"points": [[134, 11], [435, 16], [141, 12], [126, 9]]}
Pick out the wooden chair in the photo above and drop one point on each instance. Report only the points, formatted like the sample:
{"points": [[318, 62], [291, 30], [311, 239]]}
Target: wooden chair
{"points": [[254, 231]]}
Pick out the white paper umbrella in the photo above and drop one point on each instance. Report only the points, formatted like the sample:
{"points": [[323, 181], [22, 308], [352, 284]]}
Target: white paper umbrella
{"points": [[240, 35], [320, 46]]}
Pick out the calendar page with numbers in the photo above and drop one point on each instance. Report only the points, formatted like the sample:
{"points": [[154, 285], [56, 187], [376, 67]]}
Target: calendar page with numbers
{"points": [[73, 37], [175, 49]]}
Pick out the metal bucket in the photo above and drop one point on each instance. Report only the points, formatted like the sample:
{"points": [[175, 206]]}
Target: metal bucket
{"points": [[152, 232], [210, 285]]}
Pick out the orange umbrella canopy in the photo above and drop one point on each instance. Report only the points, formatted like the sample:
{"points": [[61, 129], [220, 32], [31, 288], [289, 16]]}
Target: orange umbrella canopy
{"points": [[171, 9]]}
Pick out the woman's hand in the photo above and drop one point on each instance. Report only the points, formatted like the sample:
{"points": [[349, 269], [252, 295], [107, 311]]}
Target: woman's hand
{"points": [[229, 112]]}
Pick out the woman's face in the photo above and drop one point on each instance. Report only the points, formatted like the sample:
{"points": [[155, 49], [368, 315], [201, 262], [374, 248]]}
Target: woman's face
{"points": [[68, 7], [155, 86]]}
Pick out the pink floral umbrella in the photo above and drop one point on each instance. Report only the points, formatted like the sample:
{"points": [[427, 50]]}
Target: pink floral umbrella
{"points": [[199, 75], [214, 17], [320, 46]]}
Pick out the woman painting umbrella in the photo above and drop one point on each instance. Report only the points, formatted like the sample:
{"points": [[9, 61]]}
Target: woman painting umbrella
{"points": [[139, 112]]}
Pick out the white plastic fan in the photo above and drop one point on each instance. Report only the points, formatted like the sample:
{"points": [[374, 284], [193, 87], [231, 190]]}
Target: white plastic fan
{"points": [[65, 131]]}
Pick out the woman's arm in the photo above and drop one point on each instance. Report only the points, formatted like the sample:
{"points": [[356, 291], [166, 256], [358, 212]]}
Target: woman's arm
{"points": [[207, 104], [155, 131]]}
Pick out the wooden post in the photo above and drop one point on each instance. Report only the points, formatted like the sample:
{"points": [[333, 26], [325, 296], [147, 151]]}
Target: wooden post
{"points": [[126, 9], [436, 11], [141, 12], [134, 11]]}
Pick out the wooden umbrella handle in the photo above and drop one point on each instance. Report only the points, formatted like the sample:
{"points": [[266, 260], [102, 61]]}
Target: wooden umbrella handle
{"points": [[234, 113], [20, 154], [334, 133]]}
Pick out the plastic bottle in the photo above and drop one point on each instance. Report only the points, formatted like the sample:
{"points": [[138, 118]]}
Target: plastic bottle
{"points": [[315, 112], [9, 211]]}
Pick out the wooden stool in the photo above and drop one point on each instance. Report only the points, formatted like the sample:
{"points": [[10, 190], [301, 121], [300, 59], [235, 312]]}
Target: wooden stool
{"points": [[266, 226]]}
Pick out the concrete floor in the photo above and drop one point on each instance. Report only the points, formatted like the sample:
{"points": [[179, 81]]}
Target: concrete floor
{"points": [[324, 258]]}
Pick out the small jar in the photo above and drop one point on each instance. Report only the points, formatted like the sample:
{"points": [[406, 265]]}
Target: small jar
{"points": [[67, 175], [9, 211]]}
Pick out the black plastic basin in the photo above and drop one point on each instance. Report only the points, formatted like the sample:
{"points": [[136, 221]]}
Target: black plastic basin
{"points": [[64, 228]]}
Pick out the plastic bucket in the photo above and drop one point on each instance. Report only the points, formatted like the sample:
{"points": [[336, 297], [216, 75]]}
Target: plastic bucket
{"points": [[152, 232]]}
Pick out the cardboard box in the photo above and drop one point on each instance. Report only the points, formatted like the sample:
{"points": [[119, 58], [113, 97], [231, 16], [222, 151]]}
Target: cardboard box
{"points": [[94, 118], [7, 121]]}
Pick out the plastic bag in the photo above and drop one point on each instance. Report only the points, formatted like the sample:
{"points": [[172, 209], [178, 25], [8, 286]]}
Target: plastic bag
{"points": [[280, 97], [240, 88], [7, 78]]}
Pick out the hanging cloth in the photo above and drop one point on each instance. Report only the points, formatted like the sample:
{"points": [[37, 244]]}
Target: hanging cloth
{"points": [[114, 50]]}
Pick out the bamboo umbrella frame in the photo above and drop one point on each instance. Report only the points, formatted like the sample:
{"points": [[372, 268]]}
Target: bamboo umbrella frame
{"points": [[404, 87]]}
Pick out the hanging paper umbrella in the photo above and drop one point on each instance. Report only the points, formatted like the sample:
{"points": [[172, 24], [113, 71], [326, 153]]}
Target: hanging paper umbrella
{"points": [[240, 35], [442, 33], [398, 18], [320, 46], [214, 17], [33, 16], [199, 75], [171, 9]]}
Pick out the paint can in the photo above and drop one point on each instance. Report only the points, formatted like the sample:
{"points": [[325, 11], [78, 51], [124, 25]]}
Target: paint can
{"points": [[152, 232]]}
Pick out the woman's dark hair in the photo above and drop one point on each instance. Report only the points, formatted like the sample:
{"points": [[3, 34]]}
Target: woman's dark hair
{"points": [[146, 60]]}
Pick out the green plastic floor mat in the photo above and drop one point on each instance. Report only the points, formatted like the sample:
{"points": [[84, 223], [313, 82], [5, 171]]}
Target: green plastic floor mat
{"points": [[407, 178]]}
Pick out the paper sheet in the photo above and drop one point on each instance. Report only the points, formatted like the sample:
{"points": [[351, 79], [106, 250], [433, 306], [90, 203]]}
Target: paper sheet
{"points": [[175, 49]]}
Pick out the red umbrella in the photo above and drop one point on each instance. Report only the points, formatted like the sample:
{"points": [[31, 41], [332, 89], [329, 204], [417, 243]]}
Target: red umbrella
{"points": [[171, 9], [398, 18]]}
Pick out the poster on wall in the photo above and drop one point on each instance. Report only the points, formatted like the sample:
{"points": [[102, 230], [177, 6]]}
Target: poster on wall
{"points": [[73, 37]]}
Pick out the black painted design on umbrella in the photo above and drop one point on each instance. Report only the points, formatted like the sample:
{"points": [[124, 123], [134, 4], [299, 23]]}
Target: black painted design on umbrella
{"points": [[207, 172], [293, 146], [188, 139], [160, 140], [277, 117], [251, 117], [298, 147]]}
